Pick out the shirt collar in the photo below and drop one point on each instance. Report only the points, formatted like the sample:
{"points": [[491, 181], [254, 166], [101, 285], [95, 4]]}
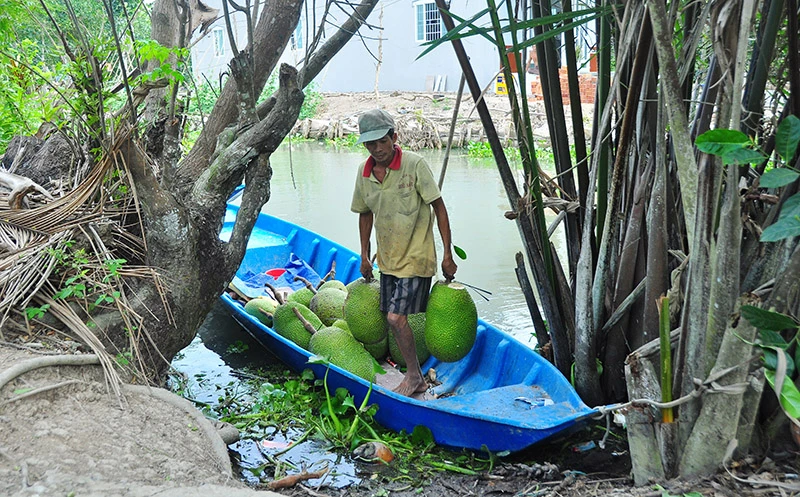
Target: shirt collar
{"points": [[395, 164]]}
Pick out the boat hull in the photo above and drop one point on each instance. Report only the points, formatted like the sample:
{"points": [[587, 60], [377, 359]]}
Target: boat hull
{"points": [[502, 396]]}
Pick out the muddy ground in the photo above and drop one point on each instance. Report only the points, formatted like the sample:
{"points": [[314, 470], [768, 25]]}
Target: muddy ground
{"points": [[63, 432]]}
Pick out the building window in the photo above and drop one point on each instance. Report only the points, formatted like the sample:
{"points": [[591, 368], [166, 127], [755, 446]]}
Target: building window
{"points": [[219, 41], [429, 23], [297, 37]]}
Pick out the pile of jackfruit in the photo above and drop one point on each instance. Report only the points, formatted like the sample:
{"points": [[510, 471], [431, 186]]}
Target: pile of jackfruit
{"points": [[344, 324]]}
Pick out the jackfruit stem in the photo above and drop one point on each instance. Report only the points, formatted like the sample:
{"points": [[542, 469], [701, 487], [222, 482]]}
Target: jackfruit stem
{"points": [[331, 274], [306, 324], [308, 284], [276, 294]]}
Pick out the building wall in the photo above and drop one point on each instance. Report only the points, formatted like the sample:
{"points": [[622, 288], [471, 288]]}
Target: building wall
{"points": [[354, 68]]}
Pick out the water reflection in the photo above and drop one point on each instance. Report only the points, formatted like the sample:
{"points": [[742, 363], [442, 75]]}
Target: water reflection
{"points": [[213, 365]]}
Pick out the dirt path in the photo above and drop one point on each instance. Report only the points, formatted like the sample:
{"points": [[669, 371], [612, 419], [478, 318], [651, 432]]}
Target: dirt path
{"points": [[79, 438]]}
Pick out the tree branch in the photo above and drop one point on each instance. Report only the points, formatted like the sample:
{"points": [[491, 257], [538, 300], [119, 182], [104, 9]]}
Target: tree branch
{"points": [[269, 39]]}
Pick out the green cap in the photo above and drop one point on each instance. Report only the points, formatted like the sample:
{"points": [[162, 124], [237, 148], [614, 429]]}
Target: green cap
{"points": [[373, 125]]}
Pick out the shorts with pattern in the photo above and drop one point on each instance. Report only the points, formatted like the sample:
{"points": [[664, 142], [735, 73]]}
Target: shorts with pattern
{"points": [[404, 295]]}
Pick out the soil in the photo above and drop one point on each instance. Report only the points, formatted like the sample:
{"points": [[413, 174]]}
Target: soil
{"points": [[424, 119], [78, 438]]}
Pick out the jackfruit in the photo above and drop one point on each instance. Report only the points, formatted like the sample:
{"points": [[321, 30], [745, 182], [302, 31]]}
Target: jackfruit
{"points": [[263, 308], [379, 349], [288, 326], [451, 321], [332, 284], [417, 324], [328, 304], [341, 323], [343, 350], [376, 276], [302, 296], [363, 314]]}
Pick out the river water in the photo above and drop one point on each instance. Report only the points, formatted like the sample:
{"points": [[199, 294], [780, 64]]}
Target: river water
{"points": [[312, 186]]}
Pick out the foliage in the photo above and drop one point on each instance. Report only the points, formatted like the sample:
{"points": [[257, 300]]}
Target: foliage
{"points": [[778, 360], [734, 147], [26, 100], [482, 150], [275, 400], [202, 98], [80, 279], [346, 141]]}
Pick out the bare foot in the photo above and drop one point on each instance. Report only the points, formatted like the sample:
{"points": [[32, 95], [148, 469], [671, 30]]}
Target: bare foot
{"points": [[409, 386]]}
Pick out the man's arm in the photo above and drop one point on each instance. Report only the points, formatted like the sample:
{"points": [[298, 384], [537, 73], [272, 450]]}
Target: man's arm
{"points": [[365, 220], [449, 266]]}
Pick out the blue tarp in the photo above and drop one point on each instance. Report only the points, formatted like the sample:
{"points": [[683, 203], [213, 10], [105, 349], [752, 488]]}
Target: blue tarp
{"points": [[253, 283]]}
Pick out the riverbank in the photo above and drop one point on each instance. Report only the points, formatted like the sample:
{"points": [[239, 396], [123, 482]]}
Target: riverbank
{"points": [[424, 119]]}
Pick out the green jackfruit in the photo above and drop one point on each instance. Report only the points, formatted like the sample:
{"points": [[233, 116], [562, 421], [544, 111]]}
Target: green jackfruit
{"points": [[302, 296], [376, 276], [451, 321], [343, 350], [263, 308], [417, 323], [288, 326], [328, 304], [332, 284], [363, 314], [341, 323], [378, 350]]}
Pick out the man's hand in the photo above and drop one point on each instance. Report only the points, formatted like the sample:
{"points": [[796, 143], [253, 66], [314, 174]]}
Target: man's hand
{"points": [[449, 267], [366, 269]]}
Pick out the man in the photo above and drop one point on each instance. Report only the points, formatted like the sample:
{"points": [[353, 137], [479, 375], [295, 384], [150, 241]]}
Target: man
{"points": [[395, 191]]}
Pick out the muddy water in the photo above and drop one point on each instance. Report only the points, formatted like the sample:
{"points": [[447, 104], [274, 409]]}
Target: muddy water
{"points": [[312, 186]]}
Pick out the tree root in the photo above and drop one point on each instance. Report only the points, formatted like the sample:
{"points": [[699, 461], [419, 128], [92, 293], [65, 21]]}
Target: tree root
{"points": [[42, 362], [292, 480], [218, 447], [37, 391]]}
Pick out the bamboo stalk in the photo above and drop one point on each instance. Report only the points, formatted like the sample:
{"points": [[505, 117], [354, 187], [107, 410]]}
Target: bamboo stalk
{"points": [[666, 359]]}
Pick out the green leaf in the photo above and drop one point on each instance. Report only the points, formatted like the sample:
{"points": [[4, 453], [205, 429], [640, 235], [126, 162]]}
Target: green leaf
{"points": [[349, 402], [460, 31], [421, 436], [767, 320], [778, 177], [743, 156], [772, 339], [771, 360], [318, 359], [790, 396], [460, 252], [791, 208], [721, 142], [797, 355], [782, 229], [377, 368], [787, 137]]}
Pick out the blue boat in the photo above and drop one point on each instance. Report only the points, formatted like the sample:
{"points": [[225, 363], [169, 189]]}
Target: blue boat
{"points": [[502, 396]]}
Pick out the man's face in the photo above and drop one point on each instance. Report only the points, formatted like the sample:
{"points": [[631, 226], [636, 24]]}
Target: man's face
{"points": [[382, 150]]}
